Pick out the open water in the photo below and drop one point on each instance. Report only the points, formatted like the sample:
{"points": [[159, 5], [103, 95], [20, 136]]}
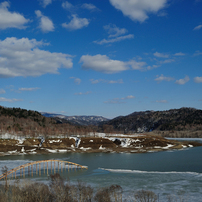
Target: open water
{"points": [[177, 173]]}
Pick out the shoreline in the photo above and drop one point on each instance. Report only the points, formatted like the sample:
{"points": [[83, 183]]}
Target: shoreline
{"points": [[138, 143]]}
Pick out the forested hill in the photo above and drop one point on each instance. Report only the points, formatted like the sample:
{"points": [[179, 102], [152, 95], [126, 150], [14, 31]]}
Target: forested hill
{"points": [[32, 123], [183, 119]]}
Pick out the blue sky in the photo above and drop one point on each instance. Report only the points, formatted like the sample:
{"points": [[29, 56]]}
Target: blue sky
{"points": [[100, 57]]}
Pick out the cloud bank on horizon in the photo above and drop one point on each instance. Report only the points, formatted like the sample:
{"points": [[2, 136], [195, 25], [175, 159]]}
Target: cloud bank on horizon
{"points": [[104, 58]]}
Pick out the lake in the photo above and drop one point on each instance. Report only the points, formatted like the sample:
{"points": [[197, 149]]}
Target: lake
{"points": [[177, 173]]}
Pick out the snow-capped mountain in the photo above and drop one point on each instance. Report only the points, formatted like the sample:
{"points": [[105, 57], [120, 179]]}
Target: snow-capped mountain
{"points": [[81, 120]]}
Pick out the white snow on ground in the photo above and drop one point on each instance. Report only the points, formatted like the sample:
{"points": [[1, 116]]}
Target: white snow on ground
{"points": [[20, 141], [78, 142], [190, 145], [184, 146], [22, 150], [91, 141], [62, 150], [51, 141], [125, 142], [75, 138], [102, 147], [12, 152], [167, 147], [52, 150], [84, 149], [72, 146]]}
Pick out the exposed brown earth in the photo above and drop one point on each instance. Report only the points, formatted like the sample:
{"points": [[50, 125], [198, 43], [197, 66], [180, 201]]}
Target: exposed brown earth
{"points": [[137, 144]]}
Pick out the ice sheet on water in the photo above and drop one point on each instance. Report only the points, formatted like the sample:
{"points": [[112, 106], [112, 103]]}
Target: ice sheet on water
{"points": [[150, 172]]}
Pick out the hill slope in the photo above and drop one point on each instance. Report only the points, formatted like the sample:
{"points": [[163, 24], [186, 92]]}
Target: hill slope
{"points": [[78, 120], [183, 119]]}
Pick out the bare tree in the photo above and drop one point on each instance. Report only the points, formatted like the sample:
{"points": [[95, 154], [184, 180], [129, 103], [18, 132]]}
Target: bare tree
{"points": [[4, 171]]}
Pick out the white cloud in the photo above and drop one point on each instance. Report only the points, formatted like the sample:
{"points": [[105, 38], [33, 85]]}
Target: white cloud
{"points": [[76, 80], [182, 81], [67, 5], [2, 99], [102, 63], [46, 25], [198, 79], [166, 61], [161, 101], [197, 53], [137, 65], [45, 2], [80, 93], [22, 57], [90, 7], [163, 78], [2, 91], [11, 19], [115, 34], [138, 10], [93, 81], [161, 55], [76, 23], [28, 89], [198, 27], [179, 54], [120, 38], [114, 31], [119, 100]]}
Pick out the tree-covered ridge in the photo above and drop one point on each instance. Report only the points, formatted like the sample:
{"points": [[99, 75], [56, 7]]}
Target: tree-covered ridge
{"points": [[32, 123], [175, 119]]}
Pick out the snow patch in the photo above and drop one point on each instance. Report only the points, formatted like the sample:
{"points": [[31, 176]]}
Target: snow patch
{"points": [[84, 149], [12, 152], [51, 141], [102, 147], [62, 150], [52, 150]]}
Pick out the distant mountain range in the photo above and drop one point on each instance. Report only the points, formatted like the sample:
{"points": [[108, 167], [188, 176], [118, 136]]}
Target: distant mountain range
{"points": [[78, 120], [183, 122]]}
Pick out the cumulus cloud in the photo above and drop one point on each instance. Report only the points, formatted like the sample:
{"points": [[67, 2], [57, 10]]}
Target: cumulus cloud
{"points": [[67, 5], [120, 100], [138, 10], [95, 81], [2, 91], [198, 27], [137, 65], [11, 19], [115, 31], [2, 99], [163, 78], [45, 24], [115, 34], [182, 81], [76, 23], [102, 63], [76, 80], [22, 57], [45, 2], [198, 79], [90, 7], [28, 89], [161, 55]]}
